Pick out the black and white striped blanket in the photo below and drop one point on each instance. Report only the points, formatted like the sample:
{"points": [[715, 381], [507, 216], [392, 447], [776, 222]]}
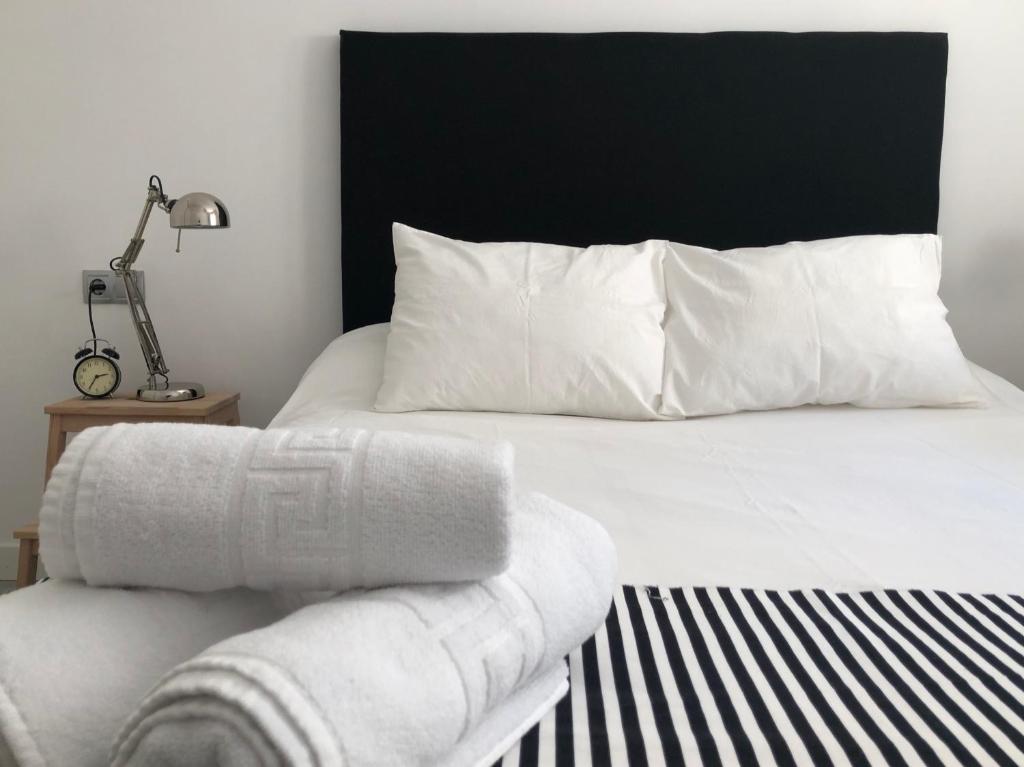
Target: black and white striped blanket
{"points": [[701, 676]]}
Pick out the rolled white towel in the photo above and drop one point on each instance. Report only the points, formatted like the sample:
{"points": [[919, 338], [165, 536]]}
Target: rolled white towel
{"points": [[202, 508], [75, 661], [443, 674]]}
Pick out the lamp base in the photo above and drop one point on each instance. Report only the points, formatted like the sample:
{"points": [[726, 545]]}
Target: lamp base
{"points": [[175, 391]]}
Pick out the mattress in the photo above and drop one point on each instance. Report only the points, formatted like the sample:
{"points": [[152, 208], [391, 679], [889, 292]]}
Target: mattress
{"points": [[837, 498]]}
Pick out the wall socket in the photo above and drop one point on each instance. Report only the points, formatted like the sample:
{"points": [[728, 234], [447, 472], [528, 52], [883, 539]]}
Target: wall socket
{"points": [[113, 292]]}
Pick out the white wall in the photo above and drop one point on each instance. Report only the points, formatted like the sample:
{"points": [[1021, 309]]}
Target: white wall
{"points": [[239, 98]]}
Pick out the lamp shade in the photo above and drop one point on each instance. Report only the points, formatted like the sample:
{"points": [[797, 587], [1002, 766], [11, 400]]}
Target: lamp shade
{"points": [[199, 210]]}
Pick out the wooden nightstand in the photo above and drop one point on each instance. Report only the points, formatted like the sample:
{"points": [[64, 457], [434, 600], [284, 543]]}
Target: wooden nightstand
{"points": [[75, 415]]}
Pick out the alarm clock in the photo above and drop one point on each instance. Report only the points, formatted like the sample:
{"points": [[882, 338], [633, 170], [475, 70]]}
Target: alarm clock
{"points": [[96, 373]]}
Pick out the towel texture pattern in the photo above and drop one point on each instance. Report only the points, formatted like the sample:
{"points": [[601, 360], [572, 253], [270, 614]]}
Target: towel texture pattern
{"points": [[75, 661], [431, 674], [202, 508]]}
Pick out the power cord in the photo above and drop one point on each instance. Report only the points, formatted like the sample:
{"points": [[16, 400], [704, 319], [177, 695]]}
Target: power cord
{"points": [[159, 185], [96, 287]]}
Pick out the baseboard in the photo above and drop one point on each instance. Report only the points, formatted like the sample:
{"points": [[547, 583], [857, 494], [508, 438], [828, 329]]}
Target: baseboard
{"points": [[8, 561]]}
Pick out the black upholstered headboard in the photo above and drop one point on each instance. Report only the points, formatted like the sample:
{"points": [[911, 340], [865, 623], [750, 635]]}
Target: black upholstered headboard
{"points": [[724, 139]]}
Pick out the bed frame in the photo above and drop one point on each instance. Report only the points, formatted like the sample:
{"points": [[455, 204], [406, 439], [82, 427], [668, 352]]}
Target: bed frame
{"points": [[721, 140]]}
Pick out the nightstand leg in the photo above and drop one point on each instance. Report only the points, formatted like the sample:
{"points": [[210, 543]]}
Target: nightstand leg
{"points": [[28, 562], [55, 444]]}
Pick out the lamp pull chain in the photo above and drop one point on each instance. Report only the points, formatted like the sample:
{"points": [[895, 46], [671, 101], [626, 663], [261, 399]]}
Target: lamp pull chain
{"points": [[178, 249]]}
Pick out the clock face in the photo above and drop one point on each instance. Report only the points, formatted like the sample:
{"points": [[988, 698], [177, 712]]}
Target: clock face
{"points": [[96, 376]]}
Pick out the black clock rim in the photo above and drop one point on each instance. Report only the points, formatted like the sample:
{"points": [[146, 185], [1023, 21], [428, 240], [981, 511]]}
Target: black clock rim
{"points": [[117, 376]]}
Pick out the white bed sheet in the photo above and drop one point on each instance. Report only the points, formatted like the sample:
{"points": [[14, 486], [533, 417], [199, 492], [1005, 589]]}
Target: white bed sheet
{"points": [[839, 497]]}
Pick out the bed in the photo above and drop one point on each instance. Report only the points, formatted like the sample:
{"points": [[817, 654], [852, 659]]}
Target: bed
{"points": [[807, 586], [840, 499]]}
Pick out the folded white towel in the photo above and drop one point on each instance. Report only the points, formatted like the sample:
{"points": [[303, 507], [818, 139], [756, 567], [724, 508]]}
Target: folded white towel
{"points": [[405, 675], [75, 661], [212, 507]]}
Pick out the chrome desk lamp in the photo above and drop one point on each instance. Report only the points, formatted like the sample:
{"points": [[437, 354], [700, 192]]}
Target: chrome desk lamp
{"points": [[196, 210]]}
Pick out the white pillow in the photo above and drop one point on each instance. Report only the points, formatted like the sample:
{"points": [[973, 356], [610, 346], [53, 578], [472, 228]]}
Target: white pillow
{"points": [[526, 328], [854, 319]]}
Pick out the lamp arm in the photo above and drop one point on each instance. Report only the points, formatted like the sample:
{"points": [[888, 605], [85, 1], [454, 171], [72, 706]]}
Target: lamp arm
{"points": [[154, 196], [136, 304], [144, 328]]}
